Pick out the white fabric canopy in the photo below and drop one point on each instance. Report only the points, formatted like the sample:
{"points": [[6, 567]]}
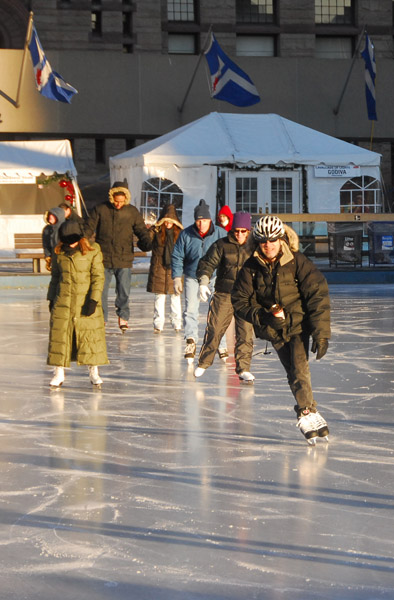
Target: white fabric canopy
{"points": [[20, 161], [255, 139]]}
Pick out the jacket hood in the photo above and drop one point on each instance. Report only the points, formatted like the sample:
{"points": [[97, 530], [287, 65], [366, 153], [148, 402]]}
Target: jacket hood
{"points": [[122, 187], [59, 214], [226, 210], [294, 241], [169, 213]]}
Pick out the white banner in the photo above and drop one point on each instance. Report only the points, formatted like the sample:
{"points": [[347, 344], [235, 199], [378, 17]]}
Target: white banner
{"points": [[16, 177], [337, 171]]}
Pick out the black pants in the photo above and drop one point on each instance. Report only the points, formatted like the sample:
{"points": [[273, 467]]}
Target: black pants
{"points": [[219, 317], [294, 357]]}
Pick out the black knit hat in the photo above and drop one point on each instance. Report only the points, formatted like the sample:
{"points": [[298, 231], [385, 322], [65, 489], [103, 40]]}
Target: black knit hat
{"points": [[71, 232], [202, 211]]}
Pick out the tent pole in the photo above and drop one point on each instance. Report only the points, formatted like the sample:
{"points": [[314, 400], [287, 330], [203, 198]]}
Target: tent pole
{"points": [[180, 108], [336, 109], [27, 42]]}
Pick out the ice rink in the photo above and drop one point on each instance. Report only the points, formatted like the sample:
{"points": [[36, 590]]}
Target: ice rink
{"points": [[163, 487]]}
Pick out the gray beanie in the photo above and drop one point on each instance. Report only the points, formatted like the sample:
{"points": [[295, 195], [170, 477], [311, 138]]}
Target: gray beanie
{"points": [[202, 211]]}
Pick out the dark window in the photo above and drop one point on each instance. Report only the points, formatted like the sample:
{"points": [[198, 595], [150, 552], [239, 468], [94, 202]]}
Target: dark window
{"points": [[100, 151], [361, 195], [180, 10], [246, 194], [127, 23], [255, 11], [157, 193], [96, 22], [334, 12]]}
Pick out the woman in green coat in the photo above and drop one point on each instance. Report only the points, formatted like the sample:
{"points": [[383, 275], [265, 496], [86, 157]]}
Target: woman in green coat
{"points": [[77, 324]]}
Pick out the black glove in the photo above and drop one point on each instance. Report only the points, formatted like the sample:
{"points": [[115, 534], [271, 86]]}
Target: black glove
{"points": [[267, 318], [320, 346], [50, 305], [91, 307]]}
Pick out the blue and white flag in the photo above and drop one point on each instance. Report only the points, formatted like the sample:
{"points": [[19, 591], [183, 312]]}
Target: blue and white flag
{"points": [[48, 82], [229, 82], [368, 55]]}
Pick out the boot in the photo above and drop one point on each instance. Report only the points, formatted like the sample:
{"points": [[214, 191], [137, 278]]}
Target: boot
{"points": [[58, 377], [95, 378]]}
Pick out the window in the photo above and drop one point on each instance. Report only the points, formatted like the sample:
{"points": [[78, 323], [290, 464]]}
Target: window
{"points": [[180, 10], [246, 194], [334, 12], [255, 11], [255, 45], [281, 195], [96, 22], [361, 195], [333, 47], [181, 43], [99, 145], [157, 193]]}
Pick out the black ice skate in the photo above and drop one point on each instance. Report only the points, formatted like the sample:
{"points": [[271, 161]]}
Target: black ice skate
{"points": [[308, 425]]}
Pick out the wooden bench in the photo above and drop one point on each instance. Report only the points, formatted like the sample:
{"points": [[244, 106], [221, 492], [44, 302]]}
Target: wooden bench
{"points": [[29, 245]]}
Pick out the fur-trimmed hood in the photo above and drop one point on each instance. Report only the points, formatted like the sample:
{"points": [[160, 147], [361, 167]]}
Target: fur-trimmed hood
{"points": [[292, 236], [119, 186], [168, 213]]}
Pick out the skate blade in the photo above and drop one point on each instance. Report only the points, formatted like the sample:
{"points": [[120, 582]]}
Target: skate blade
{"points": [[312, 441], [97, 386], [246, 382], [53, 388]]}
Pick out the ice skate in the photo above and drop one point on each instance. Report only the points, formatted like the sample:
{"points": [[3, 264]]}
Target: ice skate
{"points": [[58, 378], [307, 424], [123, 325], [246, 377], [321, 425], [223, 354], [199, 371], [190, 350], [95, 378]]}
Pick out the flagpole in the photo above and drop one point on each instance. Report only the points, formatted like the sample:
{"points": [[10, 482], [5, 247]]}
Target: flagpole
{"points": [[336, 109], [27, 41], [180, 108], [372, 130]]}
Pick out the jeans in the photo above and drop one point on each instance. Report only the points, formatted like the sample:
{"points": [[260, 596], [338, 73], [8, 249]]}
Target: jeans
{"points": [[160, 310], [122, 290], [192, 305]]}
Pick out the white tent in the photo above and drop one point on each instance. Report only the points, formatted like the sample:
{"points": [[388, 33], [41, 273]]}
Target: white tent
{"points": [[22, 203], [234, 146]]}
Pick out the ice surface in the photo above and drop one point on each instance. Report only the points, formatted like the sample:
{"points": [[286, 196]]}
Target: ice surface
{"points": [[164, 487]]}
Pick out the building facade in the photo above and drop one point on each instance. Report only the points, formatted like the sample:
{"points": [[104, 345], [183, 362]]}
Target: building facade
{"points": [[135, 64]]}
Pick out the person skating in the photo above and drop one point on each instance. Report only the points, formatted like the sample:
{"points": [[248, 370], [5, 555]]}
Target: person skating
{"points": [[285, 297], [192, 243], [227, 257], [76, 325], [54, 218], [225, 218], [115, 223], [164, 235]]}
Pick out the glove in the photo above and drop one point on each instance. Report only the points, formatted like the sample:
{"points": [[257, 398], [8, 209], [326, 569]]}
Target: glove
{"points": [[320, 347], [48, 261], [178, 287], [50, 305], [275, 322], [205, 292], [91, 307]]}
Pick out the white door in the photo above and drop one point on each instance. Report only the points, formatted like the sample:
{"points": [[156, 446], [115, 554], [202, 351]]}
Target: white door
{"points": [[264, 191]]}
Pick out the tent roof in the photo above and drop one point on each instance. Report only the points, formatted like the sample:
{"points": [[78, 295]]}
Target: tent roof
{"points": [[254, 139], [36, 157]]}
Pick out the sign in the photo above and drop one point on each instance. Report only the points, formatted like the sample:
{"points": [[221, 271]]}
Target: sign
{"points": [[347, 171], [16, 177]]}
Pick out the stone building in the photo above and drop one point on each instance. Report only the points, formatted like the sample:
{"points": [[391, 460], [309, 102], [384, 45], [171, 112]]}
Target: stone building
{"points": [[133, 60]]}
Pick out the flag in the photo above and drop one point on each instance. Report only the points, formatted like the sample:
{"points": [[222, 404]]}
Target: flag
{"points": [[368, 55], [229, 82], [48, 82]]}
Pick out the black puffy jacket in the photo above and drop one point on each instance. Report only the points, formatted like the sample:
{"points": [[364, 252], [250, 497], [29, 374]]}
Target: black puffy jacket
{"points": [[295, 283], [227, 257], [115, 230]]}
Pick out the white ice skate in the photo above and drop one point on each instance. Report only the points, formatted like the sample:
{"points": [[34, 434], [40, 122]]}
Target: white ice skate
{"points": [[307, 425], [58, 378], [246, 377], [95, 378], [199, 371], [321, 425], [190, 350]]}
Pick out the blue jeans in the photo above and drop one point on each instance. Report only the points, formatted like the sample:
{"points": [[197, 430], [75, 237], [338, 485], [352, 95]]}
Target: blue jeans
{"points": [[192, 305], [122, 290]]}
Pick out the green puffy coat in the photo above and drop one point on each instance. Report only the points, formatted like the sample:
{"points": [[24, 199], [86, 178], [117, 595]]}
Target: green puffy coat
{"points": [[74, 336]]}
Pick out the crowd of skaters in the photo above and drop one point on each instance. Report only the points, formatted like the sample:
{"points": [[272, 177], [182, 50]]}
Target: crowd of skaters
{"points": [[254, 275]]}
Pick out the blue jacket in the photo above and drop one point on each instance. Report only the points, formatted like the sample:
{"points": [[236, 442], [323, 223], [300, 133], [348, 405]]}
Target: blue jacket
{"points": [[190, 247]]}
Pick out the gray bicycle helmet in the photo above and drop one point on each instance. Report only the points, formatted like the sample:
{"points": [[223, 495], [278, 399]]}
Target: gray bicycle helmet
{"points": [[268, 229]]}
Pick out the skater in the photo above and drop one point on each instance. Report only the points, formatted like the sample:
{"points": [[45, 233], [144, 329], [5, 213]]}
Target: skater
{"points": [[192, 243], [164, 235], [50, 234], [227, 255], [115, 223], [77, 326], [225, 218], [285, 297]]}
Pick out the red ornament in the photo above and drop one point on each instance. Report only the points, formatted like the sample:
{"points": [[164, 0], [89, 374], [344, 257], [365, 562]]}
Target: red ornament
{"points": [[63, 183], [68, 198]]}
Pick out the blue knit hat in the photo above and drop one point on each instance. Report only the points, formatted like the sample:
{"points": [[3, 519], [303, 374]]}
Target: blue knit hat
{"points": [[202, 211]]}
